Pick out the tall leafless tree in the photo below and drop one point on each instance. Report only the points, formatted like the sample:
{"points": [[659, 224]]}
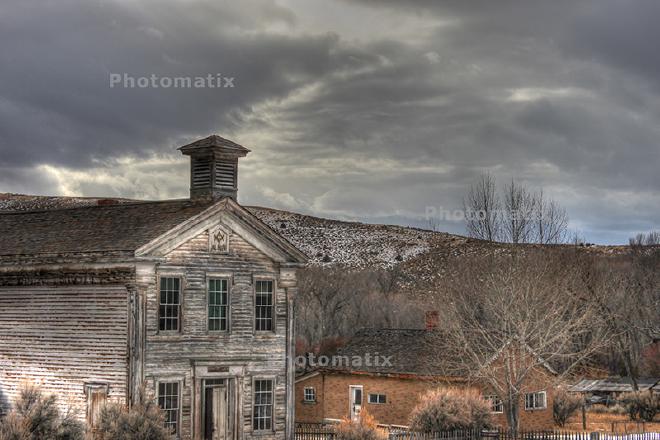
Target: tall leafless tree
{"points": [[520, 216], [482, 210], [550, 221], [519, 213], [509, 316]]}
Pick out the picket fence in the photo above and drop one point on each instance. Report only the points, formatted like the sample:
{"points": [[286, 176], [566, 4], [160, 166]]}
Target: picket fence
{"points": [[312, 431]]}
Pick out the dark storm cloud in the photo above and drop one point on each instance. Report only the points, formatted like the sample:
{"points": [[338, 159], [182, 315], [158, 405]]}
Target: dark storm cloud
{"points": [[56, 58], [353, 108]]}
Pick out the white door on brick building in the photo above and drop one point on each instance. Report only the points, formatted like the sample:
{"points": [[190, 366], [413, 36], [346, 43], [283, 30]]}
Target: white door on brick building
{"points": [[355, 400]]}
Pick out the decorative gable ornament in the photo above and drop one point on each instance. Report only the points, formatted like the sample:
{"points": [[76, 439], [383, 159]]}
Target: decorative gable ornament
{"points": [[218, 240]]}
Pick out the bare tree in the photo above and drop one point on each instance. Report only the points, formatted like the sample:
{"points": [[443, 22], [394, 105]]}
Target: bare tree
{"points": [[519, 213], [519, 217], [334, 302], [482, 210], [507, 317], [641, 240], [626, 293], [551, 221]]}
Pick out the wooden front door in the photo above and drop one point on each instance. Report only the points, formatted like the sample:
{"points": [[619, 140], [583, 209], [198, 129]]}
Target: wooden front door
{"points": [[216, 412]]}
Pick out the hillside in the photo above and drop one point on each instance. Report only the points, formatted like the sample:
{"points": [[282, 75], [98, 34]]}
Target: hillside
{"points": [[422, 255]]}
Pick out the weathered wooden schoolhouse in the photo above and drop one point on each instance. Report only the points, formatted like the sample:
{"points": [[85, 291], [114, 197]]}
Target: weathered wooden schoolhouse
{"points": [[193, 298]]}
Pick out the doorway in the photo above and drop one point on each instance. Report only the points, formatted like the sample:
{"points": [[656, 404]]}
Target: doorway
{"points": [[217, 409], [355, 401]]}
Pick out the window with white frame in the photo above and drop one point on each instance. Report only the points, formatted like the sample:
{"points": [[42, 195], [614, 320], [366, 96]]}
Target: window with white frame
{"points": [[169, 307], [264, 306], [168, 400], [377, 398], [535, 400], [310, 394], [218, 307], [496, 405], [262, 410]]}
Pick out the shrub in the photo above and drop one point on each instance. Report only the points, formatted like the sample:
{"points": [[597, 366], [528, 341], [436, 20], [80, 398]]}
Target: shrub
{"points": [[364, 428], [564, 405], [13, 428], [144, 421], [37, 417], [450, 409], [642, 405], [603, 409]]}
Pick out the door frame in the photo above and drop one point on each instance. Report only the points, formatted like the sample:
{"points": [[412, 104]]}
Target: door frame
{"points": [[227, 387], [203, 370], [350, 399]]}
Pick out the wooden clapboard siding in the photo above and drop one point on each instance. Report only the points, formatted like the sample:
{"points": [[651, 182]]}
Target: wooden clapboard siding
{"points": [[61, 338], [170, 356]]}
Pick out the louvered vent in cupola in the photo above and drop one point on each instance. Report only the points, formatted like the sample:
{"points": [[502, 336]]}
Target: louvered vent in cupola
{"points": [[225, 174], [201, 173], [214, 167]]}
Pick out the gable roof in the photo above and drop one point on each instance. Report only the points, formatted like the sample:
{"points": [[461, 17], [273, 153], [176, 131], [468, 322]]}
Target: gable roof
{"points": [[614, 385], [138, 227], [119, 227], [214, 142], [408, 350]]}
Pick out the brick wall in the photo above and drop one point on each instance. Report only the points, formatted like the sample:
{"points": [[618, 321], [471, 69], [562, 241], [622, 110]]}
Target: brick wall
{"points": [[538, 419], [403, 394]]}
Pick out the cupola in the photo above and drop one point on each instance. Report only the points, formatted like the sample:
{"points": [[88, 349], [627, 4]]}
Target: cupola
{"points": [[214, 167]]}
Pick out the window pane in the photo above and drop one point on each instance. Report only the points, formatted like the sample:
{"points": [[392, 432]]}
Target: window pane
{"points": [[218, 305], [264, 306], [168, 400], [263, 405], [170, 303]]}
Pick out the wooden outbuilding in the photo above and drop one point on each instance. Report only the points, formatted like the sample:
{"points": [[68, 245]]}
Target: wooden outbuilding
{"points": [[192, 297]]}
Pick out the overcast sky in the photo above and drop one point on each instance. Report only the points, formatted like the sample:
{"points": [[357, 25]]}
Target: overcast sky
{"points": [[367, 110]]}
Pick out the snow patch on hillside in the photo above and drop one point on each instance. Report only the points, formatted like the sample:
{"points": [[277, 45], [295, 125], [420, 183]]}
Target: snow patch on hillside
{"points": [[354, 244]]}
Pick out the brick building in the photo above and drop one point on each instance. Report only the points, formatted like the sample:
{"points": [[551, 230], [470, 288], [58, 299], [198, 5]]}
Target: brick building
{"points": [[402, 367]]}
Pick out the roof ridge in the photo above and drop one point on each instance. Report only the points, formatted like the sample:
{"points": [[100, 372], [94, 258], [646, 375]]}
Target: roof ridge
{"points": [[116, 205]]}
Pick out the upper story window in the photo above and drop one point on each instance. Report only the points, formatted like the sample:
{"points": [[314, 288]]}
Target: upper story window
{"points": [[218, 307], [168, 400], [262, 398], [535, 400], [496, 405], [169, 310], [264, 306], [377, 398], [310, 394]]}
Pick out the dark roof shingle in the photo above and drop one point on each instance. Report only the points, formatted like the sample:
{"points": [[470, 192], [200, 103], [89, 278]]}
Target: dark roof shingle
{"points": [[124, 227], [409, 351]]}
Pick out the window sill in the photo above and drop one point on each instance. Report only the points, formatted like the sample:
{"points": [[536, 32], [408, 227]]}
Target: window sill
{"points": [[263, 433], [536, 409], [309, 402], [177, 337]]}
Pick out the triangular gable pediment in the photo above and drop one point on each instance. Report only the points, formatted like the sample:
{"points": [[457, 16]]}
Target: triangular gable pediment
{"points": [[225, 215]]}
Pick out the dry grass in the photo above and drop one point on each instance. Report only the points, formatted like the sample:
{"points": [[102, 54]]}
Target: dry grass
{"points": [[610, 422]]}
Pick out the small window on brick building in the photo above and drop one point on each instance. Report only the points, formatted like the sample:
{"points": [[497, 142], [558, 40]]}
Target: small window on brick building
{"points": [[310, 394], [535, 400], [377, 398], [496, 405]]}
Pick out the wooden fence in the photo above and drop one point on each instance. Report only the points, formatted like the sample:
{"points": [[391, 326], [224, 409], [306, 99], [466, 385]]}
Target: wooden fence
{"points": [[312, 431]]}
